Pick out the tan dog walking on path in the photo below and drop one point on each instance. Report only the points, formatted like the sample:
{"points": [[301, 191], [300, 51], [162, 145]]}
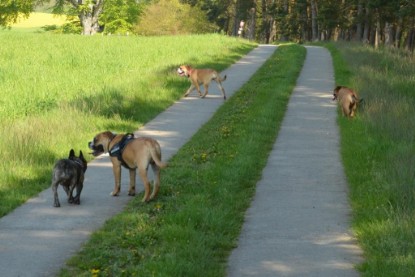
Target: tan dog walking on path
{"points": [[132, 153], [347, 99], [201, 76]]}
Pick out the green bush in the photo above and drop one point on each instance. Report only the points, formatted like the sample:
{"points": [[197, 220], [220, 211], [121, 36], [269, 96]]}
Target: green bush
{"points": [[170, 17]]}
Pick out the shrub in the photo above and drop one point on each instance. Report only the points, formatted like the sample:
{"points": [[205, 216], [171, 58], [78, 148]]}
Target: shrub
{"points": [[170, 17]]}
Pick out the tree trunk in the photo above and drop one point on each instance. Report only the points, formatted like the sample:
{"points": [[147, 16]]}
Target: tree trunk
{"points": [[304, 21], [236, 19], [389, 37], [398, 33], [89, 24], [88, 15], [284, 36], [366, 30], [314, 27], [359, 25], [377, 34], [264, 21], [410, 39], [252, 24]]}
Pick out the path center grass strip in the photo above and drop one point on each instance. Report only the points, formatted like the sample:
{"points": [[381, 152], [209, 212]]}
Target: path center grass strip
{"points": [[195, 223]]}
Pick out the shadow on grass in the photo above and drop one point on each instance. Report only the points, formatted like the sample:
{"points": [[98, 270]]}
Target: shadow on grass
{"points": [[22, 185]]}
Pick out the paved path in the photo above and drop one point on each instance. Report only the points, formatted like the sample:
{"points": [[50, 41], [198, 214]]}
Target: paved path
{"points": [[36, 239], [298, 224]]}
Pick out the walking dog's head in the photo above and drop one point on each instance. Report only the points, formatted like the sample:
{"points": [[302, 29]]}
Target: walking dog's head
{"points": [[184, 70], [336, 92], [100, 144], [342, 90]]}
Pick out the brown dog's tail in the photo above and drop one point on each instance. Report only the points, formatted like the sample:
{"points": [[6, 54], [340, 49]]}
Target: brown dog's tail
{"points": [[356, 99], [155, 155]]}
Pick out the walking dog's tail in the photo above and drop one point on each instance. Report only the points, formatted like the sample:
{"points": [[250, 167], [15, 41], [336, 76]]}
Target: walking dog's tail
{"points": [[216, 77], [156, 156], [222, 79], [356, 99]]}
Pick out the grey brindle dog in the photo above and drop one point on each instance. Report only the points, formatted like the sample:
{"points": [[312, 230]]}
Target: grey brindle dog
{"points": [[70, 174]]}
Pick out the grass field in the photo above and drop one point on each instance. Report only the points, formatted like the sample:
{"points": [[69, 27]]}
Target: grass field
{"points": [[59, 90], [378, 152]]}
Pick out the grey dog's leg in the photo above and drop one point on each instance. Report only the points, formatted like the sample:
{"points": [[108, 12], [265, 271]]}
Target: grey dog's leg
{"points": [[72, 186], [55, 194], [77, 199]]}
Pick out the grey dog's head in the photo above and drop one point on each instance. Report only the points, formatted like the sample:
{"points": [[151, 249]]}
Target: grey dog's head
{"points": [[80, 160]]}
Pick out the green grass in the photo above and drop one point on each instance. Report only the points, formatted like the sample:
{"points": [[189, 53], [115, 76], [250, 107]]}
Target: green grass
{"points": [[59, 90], [194, 224], [378, 152]]}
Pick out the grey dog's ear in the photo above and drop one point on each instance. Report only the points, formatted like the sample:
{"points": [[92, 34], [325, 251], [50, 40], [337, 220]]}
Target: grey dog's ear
{"points": [[71, 153]]}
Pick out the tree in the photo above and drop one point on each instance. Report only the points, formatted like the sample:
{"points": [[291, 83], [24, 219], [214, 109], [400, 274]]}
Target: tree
{"points": [[170, 17], [11, 9], [119, 16], [88, 12], [314, 25], [219, 12]]}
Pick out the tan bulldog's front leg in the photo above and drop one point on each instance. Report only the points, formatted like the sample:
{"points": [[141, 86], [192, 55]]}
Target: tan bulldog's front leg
{"points": [[131, 191], [116, 167]]}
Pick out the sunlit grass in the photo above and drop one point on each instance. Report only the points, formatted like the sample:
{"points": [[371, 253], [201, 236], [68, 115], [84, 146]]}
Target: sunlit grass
{"points": [[378, 150]]}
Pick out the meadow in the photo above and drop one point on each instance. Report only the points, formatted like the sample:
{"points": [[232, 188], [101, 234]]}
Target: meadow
{"points": [[378, 151], [59, 90]]}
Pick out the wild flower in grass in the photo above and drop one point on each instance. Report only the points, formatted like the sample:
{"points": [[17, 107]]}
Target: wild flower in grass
{"points": [[158, 206], [200, 158], [225, 131], [95, 272]]}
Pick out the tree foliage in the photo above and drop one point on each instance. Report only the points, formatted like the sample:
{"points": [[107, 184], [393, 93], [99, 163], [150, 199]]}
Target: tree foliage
{"points": [[170, 17], [376, 22], [119, 16], [88, 12], [10, 10]]}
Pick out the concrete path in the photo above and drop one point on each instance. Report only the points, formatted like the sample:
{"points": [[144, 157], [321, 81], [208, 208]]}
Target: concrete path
{"points": [[298, 224], [36, 239]]}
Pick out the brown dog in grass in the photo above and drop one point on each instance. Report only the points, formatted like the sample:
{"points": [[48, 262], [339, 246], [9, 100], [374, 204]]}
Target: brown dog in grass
{"points": [[132, 153], [347, 99], [201, 76]]}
